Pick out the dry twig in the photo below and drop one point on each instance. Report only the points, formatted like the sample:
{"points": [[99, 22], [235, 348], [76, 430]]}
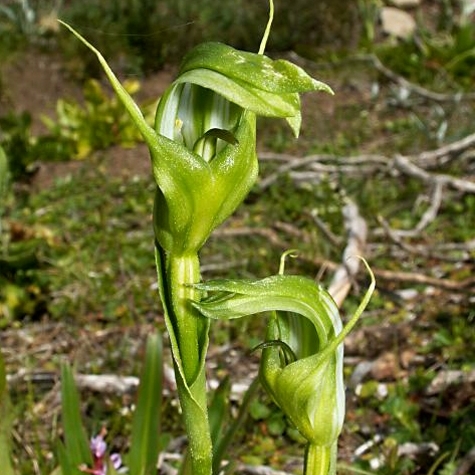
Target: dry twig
{"points": [[421, 91], [407, 167], [357, 231], [432, 158]]}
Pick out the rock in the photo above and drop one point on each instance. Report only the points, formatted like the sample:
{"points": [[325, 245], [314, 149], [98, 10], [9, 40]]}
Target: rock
{"points": [[405, 4], [387, 368], [468, 7], [397, 23]]}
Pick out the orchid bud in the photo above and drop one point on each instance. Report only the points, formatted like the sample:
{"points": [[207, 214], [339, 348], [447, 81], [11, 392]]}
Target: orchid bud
{"points": [[310, 389]]}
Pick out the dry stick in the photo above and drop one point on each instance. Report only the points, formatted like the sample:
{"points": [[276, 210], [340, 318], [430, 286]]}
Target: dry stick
{"points": [[396, 238], [414, 165], [357, 231], [465, 285], [29, 450], [432, 158], [396, 78], [404, 165], [318, 165], [336, 241], [421, 91], [446, 378], [291, 164], [428, 217], [431, 212], [434, 252]]}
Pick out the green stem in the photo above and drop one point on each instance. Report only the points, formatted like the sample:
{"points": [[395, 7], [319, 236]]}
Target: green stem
{"points": [[265, 37], [320, 460], [190, 332], [182, 272]]}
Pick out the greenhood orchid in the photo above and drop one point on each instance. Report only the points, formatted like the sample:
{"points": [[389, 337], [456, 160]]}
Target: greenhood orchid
{"points": [[204, 162], [203, 144], [302, 358], [210, 112]]}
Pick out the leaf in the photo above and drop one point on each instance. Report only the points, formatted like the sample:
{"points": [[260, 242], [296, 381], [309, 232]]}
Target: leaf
{"points": [[259, 101], [3, 174], [219, 409], [145, 443], [147, 132], [256, 70], [224, 442], [76, 443], [252, 81], [5, 423]]}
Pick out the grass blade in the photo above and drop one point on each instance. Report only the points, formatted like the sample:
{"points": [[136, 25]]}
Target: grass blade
{"points": [[219, 409], [144, 449], [5, 423], [77, 451]]}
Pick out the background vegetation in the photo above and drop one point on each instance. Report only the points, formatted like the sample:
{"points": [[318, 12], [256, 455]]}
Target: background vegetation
{"points": [[77, 275]]}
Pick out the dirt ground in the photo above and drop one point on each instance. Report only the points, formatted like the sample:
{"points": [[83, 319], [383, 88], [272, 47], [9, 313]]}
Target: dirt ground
{"points": [[34, 81]]}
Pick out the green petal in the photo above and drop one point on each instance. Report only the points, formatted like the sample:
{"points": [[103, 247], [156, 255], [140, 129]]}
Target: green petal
{"points": [[239, 298], [256, 70], [194, 196], [257, 100]]}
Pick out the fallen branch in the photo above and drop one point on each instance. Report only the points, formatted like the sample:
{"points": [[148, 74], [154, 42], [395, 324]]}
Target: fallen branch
{"points": [[427, 218], [465, 285], [447, 378], [336, 241], [320, 165], [405, 165], [394, 77], [107, 383], [433, 158], [419, 90], [345, 273]]}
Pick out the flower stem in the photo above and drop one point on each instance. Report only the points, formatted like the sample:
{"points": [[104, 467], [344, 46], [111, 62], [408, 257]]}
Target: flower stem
{"points": [[190, 341], [182, 272], [320, 460], [265, 37]]}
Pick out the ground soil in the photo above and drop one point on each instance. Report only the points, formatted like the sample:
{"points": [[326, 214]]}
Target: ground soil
{"points": [[34, 81]]}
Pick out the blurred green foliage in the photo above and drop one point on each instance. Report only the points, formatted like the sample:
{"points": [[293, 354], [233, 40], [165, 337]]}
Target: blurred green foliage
{"points": [[139, 36], [96, 124]]}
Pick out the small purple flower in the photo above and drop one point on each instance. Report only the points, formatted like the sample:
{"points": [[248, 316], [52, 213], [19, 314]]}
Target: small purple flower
{"points": [[98, 448], [116, 460]]}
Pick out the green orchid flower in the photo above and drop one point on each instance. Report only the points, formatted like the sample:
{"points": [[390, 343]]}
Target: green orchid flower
{"points": [[204, 162], [209, 112], [302, 358], [203, 145]]}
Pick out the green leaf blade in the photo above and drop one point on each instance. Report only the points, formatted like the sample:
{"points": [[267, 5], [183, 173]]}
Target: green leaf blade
{"points": [[76, 443], [255, 70], [143, 456], [6, 417]]}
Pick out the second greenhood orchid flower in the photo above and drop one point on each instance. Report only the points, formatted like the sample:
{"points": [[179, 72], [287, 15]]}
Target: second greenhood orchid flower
{"points": [[302, 358]]}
